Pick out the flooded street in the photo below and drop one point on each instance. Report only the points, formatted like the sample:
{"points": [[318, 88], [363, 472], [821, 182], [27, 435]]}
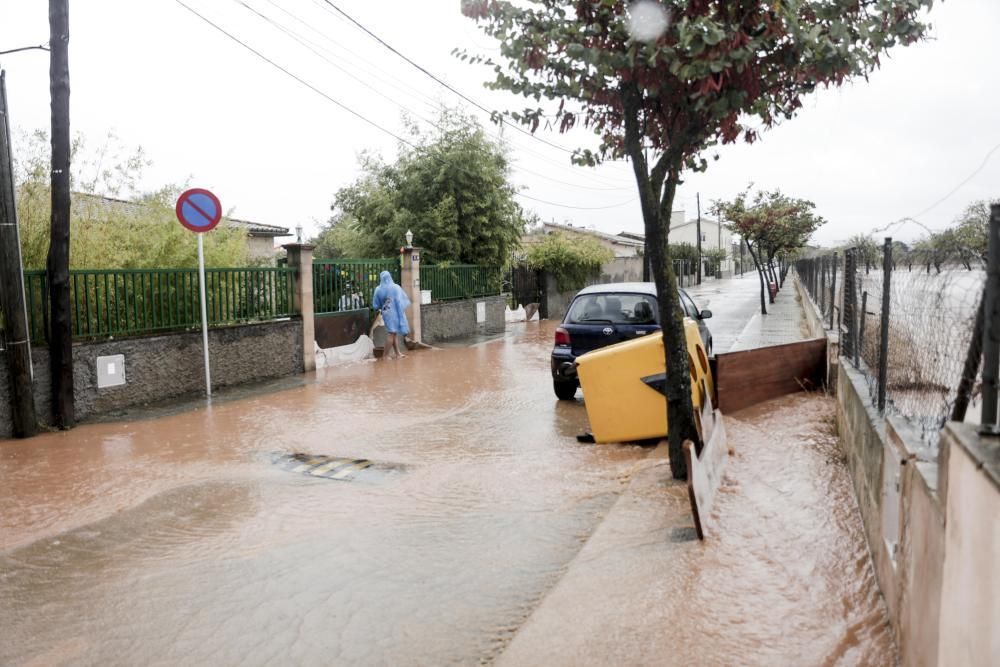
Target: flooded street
{"points": [[176, 539]]}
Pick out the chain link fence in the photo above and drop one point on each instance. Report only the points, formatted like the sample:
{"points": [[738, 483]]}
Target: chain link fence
{"points": [[906, 328]]}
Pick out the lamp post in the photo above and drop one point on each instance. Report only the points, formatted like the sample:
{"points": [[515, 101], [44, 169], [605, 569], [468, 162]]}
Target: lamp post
{"points": [[298, 233], [409, 239]]}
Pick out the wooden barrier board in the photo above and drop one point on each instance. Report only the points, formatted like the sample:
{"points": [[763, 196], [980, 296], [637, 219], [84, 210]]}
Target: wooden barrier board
{"points": [[705, 471], [749, 377]]}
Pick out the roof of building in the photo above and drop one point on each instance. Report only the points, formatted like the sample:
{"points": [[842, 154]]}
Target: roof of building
{"points": [[136, 208], [593, 232]]}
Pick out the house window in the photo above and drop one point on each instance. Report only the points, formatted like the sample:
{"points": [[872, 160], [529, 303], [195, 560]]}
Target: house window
{"points": [[704, 237]]}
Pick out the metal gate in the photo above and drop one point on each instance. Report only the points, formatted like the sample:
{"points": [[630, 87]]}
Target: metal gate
{"points": [[524, 285]]}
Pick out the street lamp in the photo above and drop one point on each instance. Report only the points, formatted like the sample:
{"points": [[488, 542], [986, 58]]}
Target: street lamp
{"points": [[409, 239], [298, 233]]}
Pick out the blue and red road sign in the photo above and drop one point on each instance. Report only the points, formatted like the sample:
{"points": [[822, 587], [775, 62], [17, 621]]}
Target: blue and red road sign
{"points": [[198, 210]]}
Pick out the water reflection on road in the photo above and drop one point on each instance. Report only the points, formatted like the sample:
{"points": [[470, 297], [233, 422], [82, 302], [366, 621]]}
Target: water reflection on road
{"points": [[175, 540]]}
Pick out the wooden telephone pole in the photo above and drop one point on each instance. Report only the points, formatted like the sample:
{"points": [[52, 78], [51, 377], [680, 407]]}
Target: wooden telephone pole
{"points": [[57, 266], [15, 318]]}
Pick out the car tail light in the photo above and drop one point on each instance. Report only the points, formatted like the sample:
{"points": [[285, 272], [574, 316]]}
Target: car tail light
{"points": [[562, 336]]}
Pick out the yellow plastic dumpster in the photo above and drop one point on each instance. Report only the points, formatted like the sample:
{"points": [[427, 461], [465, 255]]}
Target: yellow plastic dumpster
{"points": [[620, 386]]}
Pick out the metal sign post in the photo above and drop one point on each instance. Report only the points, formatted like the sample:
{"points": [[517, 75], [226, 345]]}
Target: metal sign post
{"points": [[200, 211]]}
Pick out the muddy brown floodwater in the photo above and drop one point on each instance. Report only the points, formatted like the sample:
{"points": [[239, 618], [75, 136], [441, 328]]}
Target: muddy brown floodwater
{"points": [[784, 577], [175, 539], [789, 579]]}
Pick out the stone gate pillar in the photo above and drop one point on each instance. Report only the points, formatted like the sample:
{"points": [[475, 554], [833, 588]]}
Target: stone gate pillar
{"points": [[410, 282], [300, 258]]}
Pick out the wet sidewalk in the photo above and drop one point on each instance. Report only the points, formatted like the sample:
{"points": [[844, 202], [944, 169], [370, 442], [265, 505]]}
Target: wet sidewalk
{"points": [[784, 323]]}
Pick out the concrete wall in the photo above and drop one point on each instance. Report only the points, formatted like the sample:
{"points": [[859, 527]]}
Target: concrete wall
{"points": [[818, 329], [455, 319], [932, 521], [970, 595], [166, 366], [932, 526]]}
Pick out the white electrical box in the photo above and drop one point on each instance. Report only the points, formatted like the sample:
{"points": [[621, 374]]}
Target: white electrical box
{"points": [[425, 297], [480, 312], [110, 371]]}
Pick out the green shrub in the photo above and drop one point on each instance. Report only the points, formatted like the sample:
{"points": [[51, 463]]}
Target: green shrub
{"points": [[572, 262]]}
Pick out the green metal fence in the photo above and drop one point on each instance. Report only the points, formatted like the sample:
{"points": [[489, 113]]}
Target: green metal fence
{"points": [[460, 281], [348, 284], [126, 302]]}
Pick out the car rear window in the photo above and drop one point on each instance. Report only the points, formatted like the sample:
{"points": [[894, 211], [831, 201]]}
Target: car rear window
{"points": [[613, 308]]}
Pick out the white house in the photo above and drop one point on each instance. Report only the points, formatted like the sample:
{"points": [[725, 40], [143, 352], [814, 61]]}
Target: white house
{"points": [[685, 230]]}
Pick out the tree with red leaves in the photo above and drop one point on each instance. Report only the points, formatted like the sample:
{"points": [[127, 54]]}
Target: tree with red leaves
{"points": [[769, 226], [671, 78]]}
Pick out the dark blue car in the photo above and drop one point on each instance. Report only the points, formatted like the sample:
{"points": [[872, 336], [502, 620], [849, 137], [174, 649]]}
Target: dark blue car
{"points": [[603, 315]]}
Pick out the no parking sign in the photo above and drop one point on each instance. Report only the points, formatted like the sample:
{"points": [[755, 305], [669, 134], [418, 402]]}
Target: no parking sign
{"points": [[200, 211]]}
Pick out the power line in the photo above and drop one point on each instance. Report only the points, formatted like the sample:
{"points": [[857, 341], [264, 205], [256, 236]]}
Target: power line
{"points": [[308, 45], [354, 62], [443, 83], [355, 113], [959, 186], [580, 208], [294, 76], [40, 47], [595, 177]]}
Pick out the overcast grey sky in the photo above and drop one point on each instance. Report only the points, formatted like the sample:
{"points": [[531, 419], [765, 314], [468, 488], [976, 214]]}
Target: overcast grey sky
{"points": [[210, 112]]}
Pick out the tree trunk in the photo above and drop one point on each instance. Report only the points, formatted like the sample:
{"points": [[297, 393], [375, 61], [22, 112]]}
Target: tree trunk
{"points": [[57, 266], [680, 409], [657, 187], [760, 274], [770, 274]]}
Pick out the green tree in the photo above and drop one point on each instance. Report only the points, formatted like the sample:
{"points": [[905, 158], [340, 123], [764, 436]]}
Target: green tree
{"points": [[571, 261], [710, 72], [340, 238], [107, 232], [972, 228], [452, 191], [868, 251]]}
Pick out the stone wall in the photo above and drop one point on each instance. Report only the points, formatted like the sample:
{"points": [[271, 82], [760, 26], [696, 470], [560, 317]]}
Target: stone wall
{"points": [[454, 319], [165, 366]]}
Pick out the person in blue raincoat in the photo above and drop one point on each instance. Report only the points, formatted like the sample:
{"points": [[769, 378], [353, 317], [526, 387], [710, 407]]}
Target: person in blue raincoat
{"points": [[391, 300]]}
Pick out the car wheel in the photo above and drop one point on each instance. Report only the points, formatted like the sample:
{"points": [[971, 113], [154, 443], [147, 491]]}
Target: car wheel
{"points": [[565, 391]]}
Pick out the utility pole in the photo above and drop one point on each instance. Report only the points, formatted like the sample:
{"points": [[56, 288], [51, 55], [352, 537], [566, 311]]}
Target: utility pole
{"points": [[718, 227], [698, 231], [57, 266], [15, 316]]}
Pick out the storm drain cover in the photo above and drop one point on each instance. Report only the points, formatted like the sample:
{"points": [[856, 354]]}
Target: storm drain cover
{"points": [[330, 467]]}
